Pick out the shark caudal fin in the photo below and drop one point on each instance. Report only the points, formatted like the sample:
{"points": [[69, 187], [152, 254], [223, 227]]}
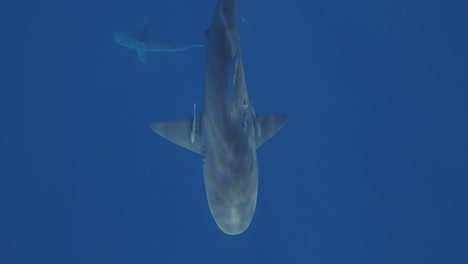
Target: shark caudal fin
{"points": [[185, 133], [267, 126]]}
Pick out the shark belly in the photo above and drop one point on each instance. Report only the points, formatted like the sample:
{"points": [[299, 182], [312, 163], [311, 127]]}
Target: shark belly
{"points": [[231, 176], [230, 162]]}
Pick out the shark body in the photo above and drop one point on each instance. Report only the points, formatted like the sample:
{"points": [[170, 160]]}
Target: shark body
{"points": [[143, 42], [227, 131]]}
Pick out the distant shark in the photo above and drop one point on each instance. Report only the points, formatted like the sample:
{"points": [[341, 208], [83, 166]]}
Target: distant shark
{"points": [[227, 132], [143, 42]]}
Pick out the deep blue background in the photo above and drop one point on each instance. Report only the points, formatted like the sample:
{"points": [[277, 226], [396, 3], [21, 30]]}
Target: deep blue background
{"points": [[371, 167]]}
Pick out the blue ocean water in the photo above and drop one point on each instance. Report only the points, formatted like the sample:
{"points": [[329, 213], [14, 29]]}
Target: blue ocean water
{"points": [[371, 167]]}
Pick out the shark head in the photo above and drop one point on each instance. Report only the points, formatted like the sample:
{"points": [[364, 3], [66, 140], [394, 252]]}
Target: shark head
{"points": [[127, 39]]}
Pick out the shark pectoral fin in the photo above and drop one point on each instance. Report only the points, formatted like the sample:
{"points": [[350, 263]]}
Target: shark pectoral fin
{"points": [[267, 126], [185, 133], [141, 55]]}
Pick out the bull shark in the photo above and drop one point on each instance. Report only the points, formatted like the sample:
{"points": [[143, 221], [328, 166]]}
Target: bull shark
{"points": [[227, 131], [143, 42]]}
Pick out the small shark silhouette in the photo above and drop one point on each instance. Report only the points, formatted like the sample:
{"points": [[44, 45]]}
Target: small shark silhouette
{"points": [[143, 42]]}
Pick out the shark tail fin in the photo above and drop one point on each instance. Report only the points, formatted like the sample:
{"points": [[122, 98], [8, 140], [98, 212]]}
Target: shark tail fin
{"points": [[185, 133], [267, 126]]}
